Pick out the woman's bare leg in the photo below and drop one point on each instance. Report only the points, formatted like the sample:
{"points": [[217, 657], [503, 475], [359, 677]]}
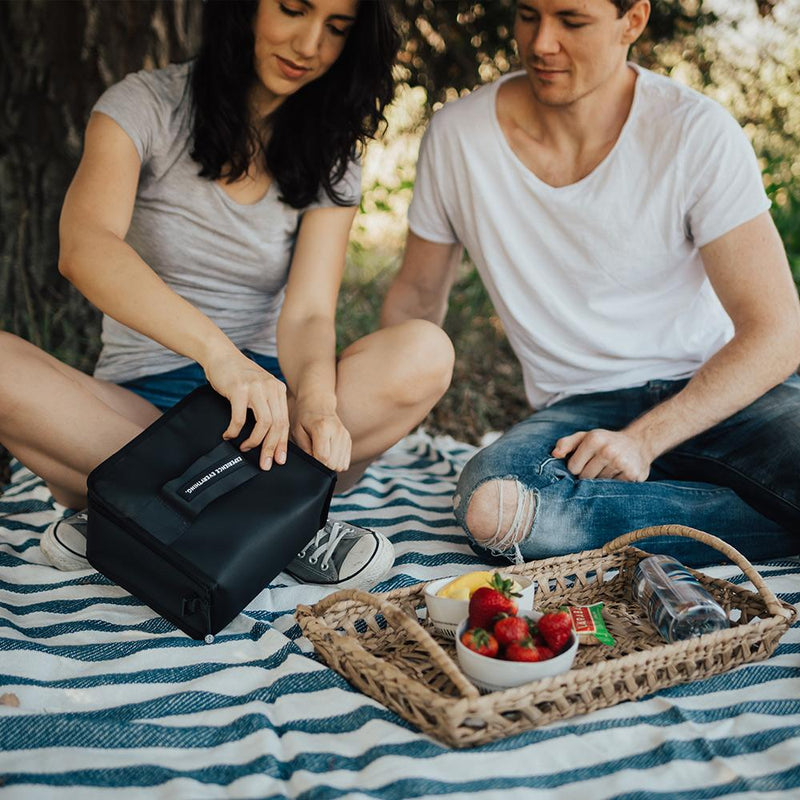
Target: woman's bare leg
{"points": [[59, 422], [387, 382], [62, 423]]}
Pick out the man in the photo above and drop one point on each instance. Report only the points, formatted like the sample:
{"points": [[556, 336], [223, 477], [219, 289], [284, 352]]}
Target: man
{"points": [[620, 226]]}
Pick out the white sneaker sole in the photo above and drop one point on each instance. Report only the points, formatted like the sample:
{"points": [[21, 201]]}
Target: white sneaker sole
{"points": [[58, 554], [373, 572]]}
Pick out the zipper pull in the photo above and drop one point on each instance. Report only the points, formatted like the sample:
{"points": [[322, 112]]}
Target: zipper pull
{"points": [[191, 605], [207, 608]]}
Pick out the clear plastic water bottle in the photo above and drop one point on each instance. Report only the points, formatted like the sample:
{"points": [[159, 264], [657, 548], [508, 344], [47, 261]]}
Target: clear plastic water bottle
{"points": [[676, 603]]}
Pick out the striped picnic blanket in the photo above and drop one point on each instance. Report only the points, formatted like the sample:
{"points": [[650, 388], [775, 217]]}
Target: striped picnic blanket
{"points": [[112, 697]]}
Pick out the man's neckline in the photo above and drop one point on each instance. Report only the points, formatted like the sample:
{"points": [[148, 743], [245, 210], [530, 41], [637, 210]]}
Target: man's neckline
{"points": [[597, 168]]}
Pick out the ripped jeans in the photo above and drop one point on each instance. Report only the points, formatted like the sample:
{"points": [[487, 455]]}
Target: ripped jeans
{"points": [[740, 481]]}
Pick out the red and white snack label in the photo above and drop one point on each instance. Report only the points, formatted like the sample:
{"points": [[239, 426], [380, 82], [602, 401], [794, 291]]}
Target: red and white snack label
{"points": [[589, 624], [582, 619]]}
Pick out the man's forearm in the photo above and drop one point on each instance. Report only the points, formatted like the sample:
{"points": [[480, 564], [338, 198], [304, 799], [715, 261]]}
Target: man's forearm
{"points": [[741, 372], [421, 287], [404, 301]]}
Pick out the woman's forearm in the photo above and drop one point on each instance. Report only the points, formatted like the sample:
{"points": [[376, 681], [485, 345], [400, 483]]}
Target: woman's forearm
{"points": [[127, 289], [307, 353]]}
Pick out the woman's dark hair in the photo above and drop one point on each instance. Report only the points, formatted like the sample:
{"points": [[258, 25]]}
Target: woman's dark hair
{"points": [[315, 131]]}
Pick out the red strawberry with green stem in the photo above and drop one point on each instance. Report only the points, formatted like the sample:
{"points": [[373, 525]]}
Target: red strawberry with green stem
{"points": [[527, 651], [480, 641], [538, 639], [556, 628], [533, 633], [509, 630], [490, 601]]}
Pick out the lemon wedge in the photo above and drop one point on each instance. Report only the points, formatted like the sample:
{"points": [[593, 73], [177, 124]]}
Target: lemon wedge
{"points": [[462, 588]]}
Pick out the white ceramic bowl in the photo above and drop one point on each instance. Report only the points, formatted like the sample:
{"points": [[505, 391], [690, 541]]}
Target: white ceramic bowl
{"points": [[496, 674], [446, 613]]}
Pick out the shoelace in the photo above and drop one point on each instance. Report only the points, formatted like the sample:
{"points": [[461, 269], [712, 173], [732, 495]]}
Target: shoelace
{"points": [[336, 533]]}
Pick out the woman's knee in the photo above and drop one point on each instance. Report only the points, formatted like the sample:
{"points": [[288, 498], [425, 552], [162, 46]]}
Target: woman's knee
{"points": [[425, 356], [11, 346], [15, 357]]}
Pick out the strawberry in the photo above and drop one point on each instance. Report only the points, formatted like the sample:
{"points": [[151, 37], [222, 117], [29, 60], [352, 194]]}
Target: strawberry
{"points": [[490, 601], [556, 628], [527, 651], [508, 630], [480, 641]]}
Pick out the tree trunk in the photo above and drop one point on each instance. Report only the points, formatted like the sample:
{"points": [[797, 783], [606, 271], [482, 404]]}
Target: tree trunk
{"points": [[56, 58]]}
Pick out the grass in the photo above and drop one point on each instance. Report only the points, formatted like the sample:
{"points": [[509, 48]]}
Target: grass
{"points": [[786, 214]]}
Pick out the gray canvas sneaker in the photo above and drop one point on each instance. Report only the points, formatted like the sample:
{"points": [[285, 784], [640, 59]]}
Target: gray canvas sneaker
{"points": [[344, 556], [64, 543]]}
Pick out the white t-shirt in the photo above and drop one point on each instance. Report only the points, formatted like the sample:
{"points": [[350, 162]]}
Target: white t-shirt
{"points": [[599, 284]]}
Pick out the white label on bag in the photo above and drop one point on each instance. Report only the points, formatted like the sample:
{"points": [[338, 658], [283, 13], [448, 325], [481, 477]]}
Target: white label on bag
{"points": [[202, 480]]}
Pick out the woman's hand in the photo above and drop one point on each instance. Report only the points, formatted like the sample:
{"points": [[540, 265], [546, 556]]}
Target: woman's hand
{"points": [[246, 385], [323, 435]]}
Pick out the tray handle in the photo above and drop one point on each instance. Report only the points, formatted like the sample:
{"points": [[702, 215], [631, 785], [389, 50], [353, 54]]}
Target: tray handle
{"points": [[774, 606], [400, 619]]}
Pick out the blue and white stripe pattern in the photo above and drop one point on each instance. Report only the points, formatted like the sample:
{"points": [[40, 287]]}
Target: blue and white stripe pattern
{"points": [[113, 697]]}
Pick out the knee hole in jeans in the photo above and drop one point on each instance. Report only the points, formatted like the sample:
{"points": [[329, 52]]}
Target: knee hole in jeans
{"points": [[500, 514]]}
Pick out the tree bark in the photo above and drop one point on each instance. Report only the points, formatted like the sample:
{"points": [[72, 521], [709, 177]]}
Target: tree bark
{"points": [[56, 58]]}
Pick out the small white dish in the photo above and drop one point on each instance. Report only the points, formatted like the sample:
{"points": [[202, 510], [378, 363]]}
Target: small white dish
{"points": [[445, 613], [496, 674]]}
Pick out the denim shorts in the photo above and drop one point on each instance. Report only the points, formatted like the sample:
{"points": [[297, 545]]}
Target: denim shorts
{"points": [[167, 388]]}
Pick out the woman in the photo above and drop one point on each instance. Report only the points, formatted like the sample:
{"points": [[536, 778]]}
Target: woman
{"points": [[208, 219]]}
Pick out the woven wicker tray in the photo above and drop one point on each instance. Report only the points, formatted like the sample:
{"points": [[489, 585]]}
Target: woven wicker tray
{"points": [[384, 646]]}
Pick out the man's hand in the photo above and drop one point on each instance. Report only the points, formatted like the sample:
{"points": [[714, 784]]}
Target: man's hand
{"points": [[604, 454]]}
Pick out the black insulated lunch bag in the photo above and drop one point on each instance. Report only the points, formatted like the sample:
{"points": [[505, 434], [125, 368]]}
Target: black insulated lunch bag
{"points": [[192, 526]]}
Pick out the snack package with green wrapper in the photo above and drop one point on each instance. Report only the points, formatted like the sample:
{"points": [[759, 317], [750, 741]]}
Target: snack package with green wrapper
{"points": [[589, 624]]}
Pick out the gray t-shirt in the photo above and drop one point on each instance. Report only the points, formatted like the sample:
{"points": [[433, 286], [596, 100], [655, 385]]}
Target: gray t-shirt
{"points": [[229, 260]]}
